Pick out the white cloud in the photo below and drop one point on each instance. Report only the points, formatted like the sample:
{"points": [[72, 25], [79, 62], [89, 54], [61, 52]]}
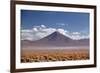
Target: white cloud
{"points": [[76, 33], [35, 29], [77, 37], [38, 32], [62, 31], [43, 26], [61, 24]]}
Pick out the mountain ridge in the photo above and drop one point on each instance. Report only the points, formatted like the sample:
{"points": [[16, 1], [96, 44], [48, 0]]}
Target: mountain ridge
{"points": [[56, 39]]}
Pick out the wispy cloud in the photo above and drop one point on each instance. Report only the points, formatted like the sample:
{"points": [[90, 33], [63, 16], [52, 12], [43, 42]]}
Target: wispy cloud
{"points": [[38, 32], [61, 24], [75, 33]]}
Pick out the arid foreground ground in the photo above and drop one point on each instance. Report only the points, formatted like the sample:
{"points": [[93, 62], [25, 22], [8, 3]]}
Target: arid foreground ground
{"points": [[53, 55]]}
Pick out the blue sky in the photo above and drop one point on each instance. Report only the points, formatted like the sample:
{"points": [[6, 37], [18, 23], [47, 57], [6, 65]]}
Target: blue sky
{"points": [[70, 21]]}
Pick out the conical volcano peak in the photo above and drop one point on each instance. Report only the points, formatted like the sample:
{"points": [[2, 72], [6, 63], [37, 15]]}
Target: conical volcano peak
{"points": [[57, 36], [57, 33]]}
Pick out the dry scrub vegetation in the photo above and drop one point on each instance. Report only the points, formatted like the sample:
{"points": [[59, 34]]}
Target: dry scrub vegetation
{"points": [[46, 56]]}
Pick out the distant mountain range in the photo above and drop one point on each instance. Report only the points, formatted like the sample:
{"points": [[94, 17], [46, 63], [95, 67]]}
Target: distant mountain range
{"points": [[56, 39]]}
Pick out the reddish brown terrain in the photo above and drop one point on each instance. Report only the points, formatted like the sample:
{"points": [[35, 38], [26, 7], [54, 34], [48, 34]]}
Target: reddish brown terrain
{"points": [[46, 56]]}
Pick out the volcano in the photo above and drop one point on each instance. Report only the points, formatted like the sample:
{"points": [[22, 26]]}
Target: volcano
{"points": [[56, 39]]}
